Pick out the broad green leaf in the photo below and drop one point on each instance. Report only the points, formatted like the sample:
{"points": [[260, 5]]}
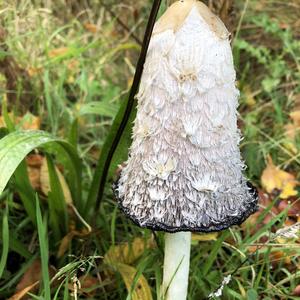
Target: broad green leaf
{"points": [[99, 108], [15, 146]]}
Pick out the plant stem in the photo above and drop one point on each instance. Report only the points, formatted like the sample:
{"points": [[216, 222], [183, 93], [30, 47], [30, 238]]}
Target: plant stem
{"points": [[176, 265]]}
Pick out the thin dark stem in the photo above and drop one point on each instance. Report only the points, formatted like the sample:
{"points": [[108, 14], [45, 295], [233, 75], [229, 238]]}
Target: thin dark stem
{"points": [[130, 104]]}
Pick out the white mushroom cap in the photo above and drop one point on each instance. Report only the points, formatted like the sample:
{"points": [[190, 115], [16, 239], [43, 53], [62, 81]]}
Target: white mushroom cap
{"points": [[184, 171]]}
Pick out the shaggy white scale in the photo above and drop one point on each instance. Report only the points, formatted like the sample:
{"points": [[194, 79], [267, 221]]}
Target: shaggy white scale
{"points": [[184, 171]]}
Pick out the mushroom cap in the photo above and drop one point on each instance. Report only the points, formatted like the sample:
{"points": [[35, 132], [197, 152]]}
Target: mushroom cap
{"points": [[184, 171]]}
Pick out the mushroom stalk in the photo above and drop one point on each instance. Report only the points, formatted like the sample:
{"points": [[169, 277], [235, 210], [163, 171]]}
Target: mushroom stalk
{"points": [[176, 265]]}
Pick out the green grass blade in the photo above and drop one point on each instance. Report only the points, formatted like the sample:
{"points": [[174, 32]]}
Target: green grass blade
{"points": [[49, 102], [43, 241], [5, 241], [73, 134], [57, 203], [214, 252], [99, 108]]}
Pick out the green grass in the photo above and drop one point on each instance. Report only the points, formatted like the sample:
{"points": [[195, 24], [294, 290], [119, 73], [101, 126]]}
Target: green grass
{"points": [[79, 95]]}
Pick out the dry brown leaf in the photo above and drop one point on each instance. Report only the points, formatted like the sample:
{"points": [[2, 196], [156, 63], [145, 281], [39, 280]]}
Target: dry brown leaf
{"points": [[296, 97], [273, 178], [292, 129], [292, 206], [30, 280], [58, 52], [64, 244], [66, 240], [73, 65], [278, 256], [127, 253], [297, 291], [34, 162], [45, 182], [21, 294], [91, 27], [32, 71], [27, 122], [32, 275], [141, 289], [295, 116], [88, 285]]}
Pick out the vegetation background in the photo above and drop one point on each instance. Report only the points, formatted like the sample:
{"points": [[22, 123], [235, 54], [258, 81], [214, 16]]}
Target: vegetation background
{"points": [[65, 69]]}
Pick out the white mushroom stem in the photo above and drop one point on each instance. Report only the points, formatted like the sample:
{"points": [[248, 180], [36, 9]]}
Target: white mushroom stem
{"points": [[176, 265]]}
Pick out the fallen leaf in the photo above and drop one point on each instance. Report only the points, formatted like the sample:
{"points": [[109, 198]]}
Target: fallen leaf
{"points": [[45, 182], [32, 275], [264, 200], [58, 52], [278, 256], [89, 285], [65, 243], [73, 65], [127, 253], [296, 291], [30, 280], [34, 163], [32, 71], [67, 239], [26, 122], [288, 190], [295, 116], [141, 289], [29, 122], [34, 160], [291, 131], [293, 207], [273, 178], [91, 27], [21, 294]]}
